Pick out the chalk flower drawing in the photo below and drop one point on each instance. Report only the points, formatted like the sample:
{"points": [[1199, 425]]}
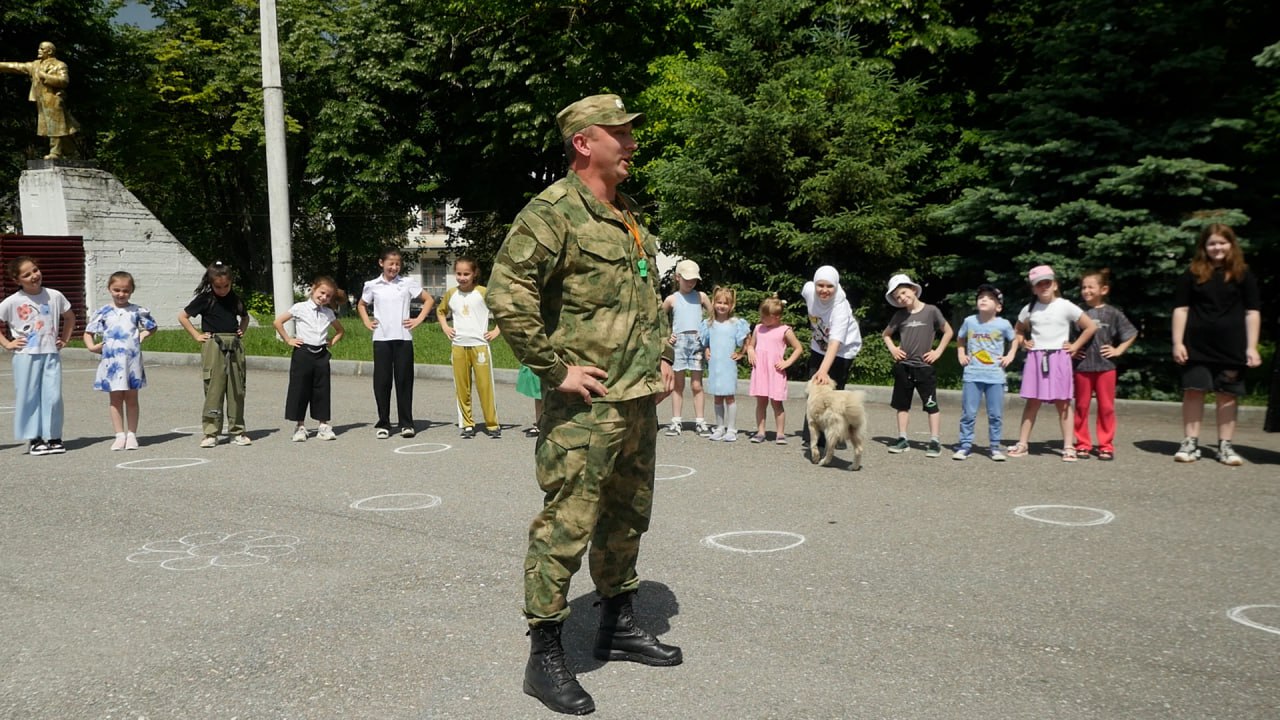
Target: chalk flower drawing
{"points": [[203, 550]]}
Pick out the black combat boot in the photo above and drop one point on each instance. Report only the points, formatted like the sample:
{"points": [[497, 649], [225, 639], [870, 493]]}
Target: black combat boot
{"points": [[547, 678], [620, 639]]}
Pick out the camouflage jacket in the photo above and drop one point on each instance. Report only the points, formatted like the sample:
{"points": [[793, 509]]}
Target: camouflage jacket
{"points": [[566, 289]]}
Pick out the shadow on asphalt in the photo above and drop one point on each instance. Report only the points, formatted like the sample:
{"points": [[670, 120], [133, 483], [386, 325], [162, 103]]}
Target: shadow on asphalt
{"points": [[654, 606], [1208, 451]]}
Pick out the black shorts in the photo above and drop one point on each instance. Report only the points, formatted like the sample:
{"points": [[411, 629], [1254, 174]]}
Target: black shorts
{"points": [[919, 378], [1213, 377]]}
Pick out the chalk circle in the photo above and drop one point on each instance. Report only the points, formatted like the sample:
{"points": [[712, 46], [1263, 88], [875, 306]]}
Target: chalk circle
{"points": [[404, 449], [1029, 512], [411, 501], [714, 541], [188, 430], [681, 471], [1238, 614], [171, 463]]}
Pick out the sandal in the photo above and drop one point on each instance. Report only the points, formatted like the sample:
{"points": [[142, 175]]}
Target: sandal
{"points": [[1069, 455], [1104, 455], [1019, 450]]}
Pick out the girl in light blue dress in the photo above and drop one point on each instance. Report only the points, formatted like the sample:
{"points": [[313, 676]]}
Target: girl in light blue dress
{"points": [[123, 326], [723, 337]]}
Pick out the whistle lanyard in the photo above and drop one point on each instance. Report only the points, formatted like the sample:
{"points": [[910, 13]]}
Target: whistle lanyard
{"points": [[628, 221]]}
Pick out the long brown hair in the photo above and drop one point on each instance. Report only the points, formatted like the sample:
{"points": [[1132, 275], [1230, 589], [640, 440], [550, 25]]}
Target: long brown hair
{"points": [[1233, 265]]}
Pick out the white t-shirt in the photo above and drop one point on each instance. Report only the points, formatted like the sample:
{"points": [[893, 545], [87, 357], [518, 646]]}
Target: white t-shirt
{"points": [[390, 301], [832, 322], [311, 323], [35, 317], [1050, 324], [470, 316]]}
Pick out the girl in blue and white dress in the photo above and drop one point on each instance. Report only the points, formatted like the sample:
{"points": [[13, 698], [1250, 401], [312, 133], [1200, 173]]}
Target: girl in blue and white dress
{"points": [[123, 326], [723, 336]]}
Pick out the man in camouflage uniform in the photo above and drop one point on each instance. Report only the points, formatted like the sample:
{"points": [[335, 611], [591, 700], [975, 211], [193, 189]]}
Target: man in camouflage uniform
{"points": [[575, 292]]}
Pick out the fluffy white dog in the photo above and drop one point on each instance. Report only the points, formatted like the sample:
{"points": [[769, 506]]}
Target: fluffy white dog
{"points": [[838, 414]]}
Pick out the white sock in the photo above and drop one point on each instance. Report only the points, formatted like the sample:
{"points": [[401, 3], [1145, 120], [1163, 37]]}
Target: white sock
{"points": [[719, 415], [731, 415], [676, 419]]}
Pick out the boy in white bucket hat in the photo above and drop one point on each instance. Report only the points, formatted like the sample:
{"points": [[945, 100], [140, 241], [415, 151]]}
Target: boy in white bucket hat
{"points": [[915, 324]]}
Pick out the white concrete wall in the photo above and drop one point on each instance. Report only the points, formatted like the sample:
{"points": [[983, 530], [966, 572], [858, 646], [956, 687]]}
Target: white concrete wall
{"points": [[119, 233]]}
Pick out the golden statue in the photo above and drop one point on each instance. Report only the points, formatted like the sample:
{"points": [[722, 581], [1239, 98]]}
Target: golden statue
{"points": [[49, 80]]}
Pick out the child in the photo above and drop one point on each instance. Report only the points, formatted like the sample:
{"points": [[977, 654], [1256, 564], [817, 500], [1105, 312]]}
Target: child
{"points": [[835, 339], [688, 307], [767, 353], [391, 294], [981, 351], [309, 364], [915, 324], [123, 326], [471, 355], [1047, 373], [530, 385], [40, 323], [223, 321], [1216, 321], [1095, 369], [723, 337]]}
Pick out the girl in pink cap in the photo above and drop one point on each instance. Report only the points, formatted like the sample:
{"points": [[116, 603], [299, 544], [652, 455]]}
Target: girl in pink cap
{"points": [[1044, 327]]}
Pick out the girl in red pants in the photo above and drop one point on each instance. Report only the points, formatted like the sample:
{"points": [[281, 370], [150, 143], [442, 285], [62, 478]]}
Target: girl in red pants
{"points": [[1095, 370]]}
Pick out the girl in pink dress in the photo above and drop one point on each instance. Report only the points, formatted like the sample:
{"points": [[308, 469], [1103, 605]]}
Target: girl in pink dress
{"points": [[767, 353]]}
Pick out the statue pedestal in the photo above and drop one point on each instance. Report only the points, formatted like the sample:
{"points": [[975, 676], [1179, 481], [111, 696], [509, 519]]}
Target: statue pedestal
{"points": [[42, 164], [64, 197]]}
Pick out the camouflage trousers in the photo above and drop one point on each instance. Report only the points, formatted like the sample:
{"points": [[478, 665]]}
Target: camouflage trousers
{"points": [[223, 360], [595, 463]]}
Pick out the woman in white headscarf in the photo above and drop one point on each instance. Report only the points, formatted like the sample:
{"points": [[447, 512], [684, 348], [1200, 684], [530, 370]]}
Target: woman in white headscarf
{"points": [[836, 336]]}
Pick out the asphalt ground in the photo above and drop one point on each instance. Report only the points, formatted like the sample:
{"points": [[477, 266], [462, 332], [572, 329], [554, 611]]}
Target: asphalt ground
{"points": [[368, 578]]}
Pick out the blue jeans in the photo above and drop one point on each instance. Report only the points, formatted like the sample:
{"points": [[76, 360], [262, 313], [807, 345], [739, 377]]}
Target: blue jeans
{"points": [[970, 397]]}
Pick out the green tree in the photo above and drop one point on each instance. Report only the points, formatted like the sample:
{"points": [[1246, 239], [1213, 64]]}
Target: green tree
{"points": [[87, 42], [783, 147], [1115, 138]]}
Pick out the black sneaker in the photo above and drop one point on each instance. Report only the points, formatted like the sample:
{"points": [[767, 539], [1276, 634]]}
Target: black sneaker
{"points": [[38, 447], [496, 434], [55, 447], [468, 433]]}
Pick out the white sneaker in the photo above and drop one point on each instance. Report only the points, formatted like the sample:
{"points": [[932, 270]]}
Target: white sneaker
{"points": [[702, 428], [130, 441], [961, 454], [300, 434], [730, 436], [241, 439], [326, 433], [673, 429], [1227, 455], [716, 435], [119, 443], [209, 441], [382, 433], [1187, 452]]}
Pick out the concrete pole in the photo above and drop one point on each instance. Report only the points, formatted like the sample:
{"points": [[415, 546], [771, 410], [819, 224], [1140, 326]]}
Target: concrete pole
{"points": [[277, 164]]}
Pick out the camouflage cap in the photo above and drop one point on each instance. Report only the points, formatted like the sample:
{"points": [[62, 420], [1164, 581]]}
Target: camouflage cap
{"points": [[595, 110]]}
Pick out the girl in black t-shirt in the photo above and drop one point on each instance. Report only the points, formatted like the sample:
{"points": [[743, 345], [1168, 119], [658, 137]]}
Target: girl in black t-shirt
{"points": [[223, 320], [1216, 322]]}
